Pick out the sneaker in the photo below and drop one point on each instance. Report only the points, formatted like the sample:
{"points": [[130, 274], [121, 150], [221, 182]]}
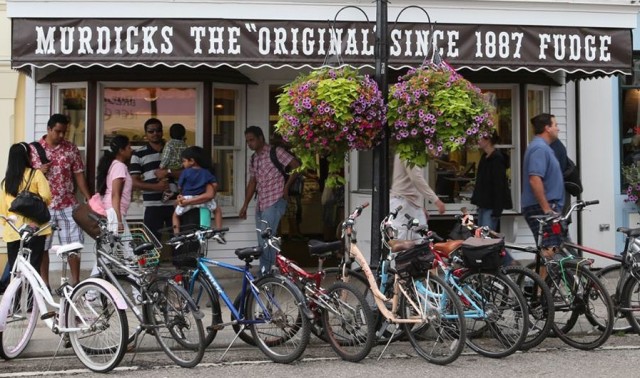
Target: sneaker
{"points": [[220, 238], [91, 296]]}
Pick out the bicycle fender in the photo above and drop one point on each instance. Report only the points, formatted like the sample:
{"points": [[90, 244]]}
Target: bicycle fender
{"points": [[121, 304], [5, 304], [302, 300]]}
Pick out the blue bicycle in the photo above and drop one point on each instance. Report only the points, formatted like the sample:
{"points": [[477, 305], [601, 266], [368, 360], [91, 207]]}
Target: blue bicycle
{"points": [[272, 307]]}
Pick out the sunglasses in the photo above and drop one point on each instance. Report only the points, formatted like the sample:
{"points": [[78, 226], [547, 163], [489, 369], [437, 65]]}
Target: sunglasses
{"points": [[151, 131]]}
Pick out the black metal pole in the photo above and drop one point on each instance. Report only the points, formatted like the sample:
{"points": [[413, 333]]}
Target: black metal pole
{"points": [[380, 199]]}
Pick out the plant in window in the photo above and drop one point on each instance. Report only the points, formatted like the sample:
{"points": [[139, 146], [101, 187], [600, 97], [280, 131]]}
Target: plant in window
{"points": [[433, 110], [631, 174], [330, 112]]}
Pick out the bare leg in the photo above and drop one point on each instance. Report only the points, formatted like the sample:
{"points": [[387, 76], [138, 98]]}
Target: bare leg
{"points": [[44, 268], [74, 265], [175, 221], [218, 217]]}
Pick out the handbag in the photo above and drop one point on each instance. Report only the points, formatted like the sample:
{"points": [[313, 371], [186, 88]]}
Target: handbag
{"points": [[30, 205], [87, 224]]}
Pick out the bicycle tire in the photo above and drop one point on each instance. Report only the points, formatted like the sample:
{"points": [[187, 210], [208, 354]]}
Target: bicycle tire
{"points": [[131, 290], [176, 321], [441, 338], [101, 343], [609, 276], [631, 300], [538, 303], [283, 333], [206, 300], [582, 284], [505, 314], [21, 318], [348, 322]]}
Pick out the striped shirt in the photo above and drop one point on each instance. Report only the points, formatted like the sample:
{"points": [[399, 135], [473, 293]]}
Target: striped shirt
{"points": [[143, 163]]}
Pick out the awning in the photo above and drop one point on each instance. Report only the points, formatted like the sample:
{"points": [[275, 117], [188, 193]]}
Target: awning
{"points": [[576, 51]]}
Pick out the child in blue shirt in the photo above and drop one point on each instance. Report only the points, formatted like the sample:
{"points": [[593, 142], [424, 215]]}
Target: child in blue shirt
{"points": [[193, 182]]}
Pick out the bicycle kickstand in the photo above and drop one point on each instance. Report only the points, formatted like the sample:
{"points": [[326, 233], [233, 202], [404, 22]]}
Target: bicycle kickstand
{"points": [[63, 339], [242, 328], [389, 341]]}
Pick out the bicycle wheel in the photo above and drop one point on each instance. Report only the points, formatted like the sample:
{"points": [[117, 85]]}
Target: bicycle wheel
{"points": [[440, 338], [131, 290], [176, 321], [22, 317], [348, 322], [280, 328], [501, 327], [631, 301], [609, 276], [100, 342], [206, 300], [539, 301], [577, 292]]}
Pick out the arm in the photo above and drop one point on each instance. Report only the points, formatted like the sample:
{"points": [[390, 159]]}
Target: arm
{"points": [[293, 164], [81, 181], [251, 190], [415, 174], [43, 187], [116, 197], [208, 195], [139, 184], [537, 187]]}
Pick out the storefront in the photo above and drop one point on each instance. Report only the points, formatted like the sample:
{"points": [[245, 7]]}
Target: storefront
{"points": [[219, 74]]}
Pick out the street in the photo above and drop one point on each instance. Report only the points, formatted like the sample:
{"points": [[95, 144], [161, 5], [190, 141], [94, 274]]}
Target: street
{"points": [[618, 358]]}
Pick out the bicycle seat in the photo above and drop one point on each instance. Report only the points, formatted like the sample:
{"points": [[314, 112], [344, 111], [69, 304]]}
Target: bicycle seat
{"points": [[401, 245], [447, 247], [248, 253], [630, 232], [65, 250], [143, 248], [320, 248]]}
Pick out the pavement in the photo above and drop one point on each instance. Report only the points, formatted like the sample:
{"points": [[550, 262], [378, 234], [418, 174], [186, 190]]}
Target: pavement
{"points": [[44, 343]]}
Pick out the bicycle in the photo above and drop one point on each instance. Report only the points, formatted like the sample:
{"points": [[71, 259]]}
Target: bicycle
{"points": [[160, 306], [495, 310], [90, 317], [422, 303], [575, 288], [271, 306], [536, 292], [618, 278]]}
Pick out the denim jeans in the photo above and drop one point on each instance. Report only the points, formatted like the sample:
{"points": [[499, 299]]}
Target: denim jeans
{"points": [[271, 215], [485, 219]]}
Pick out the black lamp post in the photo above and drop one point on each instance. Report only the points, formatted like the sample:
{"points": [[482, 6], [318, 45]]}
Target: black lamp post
{"points": [[380, 198]]}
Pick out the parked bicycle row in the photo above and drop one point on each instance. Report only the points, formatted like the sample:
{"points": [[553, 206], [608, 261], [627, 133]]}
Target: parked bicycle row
{"points": [[438, 295]]}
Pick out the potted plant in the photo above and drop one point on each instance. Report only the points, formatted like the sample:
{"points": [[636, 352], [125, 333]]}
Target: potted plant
{"points": [[433, 110], [631, 175], [328, 113]]}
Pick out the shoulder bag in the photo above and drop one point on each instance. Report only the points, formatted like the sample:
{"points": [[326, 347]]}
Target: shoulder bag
{"points": [[30, 205]]}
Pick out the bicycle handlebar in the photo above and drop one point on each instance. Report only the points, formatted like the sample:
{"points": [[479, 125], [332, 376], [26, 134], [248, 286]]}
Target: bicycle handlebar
{"points": [[197, 234], [26, 231], [356, 213], [577, 206]]}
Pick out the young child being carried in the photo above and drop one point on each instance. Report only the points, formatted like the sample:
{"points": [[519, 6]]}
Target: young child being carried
{"points": [[193, 182], [171, 157]]}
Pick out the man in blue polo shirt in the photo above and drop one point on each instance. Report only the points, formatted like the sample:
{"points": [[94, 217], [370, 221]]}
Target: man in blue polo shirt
{"points": [[543, 184], [144, 170]]}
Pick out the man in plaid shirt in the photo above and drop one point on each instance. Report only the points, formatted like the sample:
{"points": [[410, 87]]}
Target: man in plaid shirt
{"points": [[272, 191]]}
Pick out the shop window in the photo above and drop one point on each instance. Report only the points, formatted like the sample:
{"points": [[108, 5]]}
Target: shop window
{"points": [[630, 121], [227, 142], [126, 108], [71, 100]]}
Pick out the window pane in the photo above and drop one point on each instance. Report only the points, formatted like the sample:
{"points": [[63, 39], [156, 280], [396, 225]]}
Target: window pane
{"points": [[365, 170], [224, 123], [630, 129], [535, 106], [73, 103], [126, 109]]}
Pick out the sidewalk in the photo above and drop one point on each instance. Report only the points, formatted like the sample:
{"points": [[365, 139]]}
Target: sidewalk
{"points": [[44, 343]]}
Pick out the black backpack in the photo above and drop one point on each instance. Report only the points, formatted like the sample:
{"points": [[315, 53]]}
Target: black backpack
{"points": [[572, 181], [41, 153]]}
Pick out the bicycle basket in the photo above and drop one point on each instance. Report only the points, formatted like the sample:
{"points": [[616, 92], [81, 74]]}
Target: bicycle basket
{"points": [[415, 262], [138, 234], [483, 254]]}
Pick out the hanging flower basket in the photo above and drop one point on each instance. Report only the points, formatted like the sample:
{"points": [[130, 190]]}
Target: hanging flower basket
{"points": [[631, 175], [433, 110], [330, 112]]}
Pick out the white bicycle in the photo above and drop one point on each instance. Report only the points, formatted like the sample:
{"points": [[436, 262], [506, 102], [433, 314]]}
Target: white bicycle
{"points": [[90, 317]]}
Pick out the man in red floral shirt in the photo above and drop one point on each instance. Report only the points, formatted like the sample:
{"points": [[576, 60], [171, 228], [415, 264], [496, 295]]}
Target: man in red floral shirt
{"points": [[65, 168]]}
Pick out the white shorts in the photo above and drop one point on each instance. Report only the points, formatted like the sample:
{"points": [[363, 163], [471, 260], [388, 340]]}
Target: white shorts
{"points": [[211, 205]]}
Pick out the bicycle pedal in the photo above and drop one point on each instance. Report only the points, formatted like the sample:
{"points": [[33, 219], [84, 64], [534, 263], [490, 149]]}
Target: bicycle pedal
{"points": [[215, 327], [48, 315]]}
